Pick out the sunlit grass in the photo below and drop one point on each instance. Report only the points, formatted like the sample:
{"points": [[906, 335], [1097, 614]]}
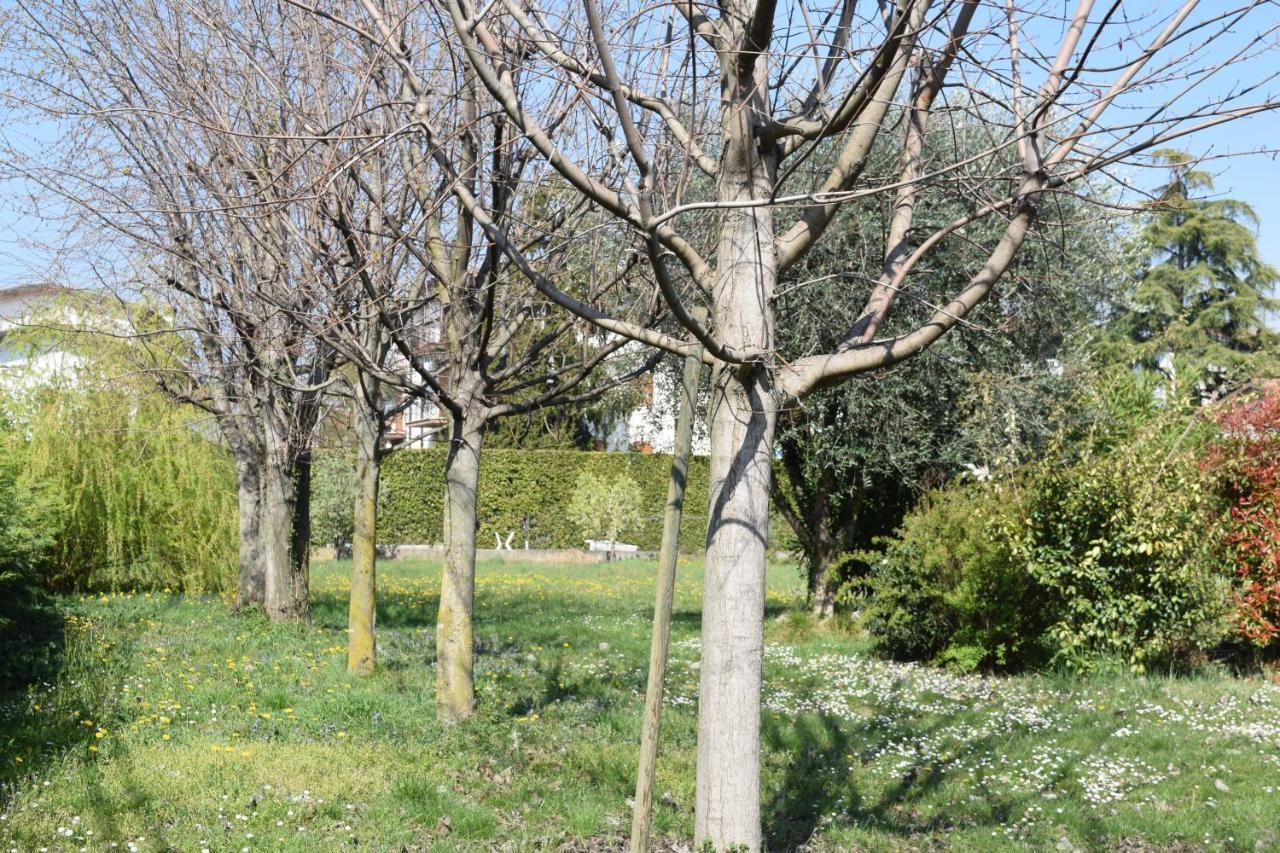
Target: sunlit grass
{"points": [[175, 724]]}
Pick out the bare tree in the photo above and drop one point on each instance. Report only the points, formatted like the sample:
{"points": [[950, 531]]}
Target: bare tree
{"points": [[728, 138], [503, 350], [177, 152]]}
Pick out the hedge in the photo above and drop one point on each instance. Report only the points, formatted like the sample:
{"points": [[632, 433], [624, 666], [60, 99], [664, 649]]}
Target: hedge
{"points": [[528, 491]]}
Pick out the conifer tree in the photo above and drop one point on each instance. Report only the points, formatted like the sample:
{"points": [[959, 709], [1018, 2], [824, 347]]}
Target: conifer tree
{"points": [[1204, 296]]}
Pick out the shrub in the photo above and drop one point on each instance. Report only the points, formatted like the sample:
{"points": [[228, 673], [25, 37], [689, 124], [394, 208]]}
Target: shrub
{"points": [[605, 508], [146, 499], [1244, 460], [27, 529], [1097, 552], [529, 492], [333, 488], [949, 589], [1118, 540]]}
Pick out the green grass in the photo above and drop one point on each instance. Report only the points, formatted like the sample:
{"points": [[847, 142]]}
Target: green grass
{"points": [[174, 724]]}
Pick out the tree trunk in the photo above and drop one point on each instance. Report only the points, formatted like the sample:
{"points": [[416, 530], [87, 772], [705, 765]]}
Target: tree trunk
{"points": [[821, 551], [743, 416], [300, 540], [250, 579], [455, 690], [727, 810], [285, 575], [362, 610], [822, 590]]}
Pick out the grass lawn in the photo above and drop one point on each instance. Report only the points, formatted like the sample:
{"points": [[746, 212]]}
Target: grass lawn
{"points": [[174, 724]]}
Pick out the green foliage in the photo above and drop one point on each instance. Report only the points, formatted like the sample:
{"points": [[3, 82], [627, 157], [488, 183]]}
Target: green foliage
{"points": [[857, 457], [530, 491], [1118, 539], [1205, 292], [145, 499], [333, 488], [949, 588], [148, 501], [605, 508], [28, 518], [1098, 551]]}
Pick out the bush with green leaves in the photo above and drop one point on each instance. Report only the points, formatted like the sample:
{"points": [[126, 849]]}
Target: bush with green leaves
{"points": [[28, 526], [1119, 539], [333, 488], [146, 499], [605, 508], [949, 589], [1096, 553]]}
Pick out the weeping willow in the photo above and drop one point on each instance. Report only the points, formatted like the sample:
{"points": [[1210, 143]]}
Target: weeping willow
{"points": [[145, 497], [146, 500]]}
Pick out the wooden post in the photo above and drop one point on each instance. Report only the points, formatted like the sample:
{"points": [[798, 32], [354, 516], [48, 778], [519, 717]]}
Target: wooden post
{"points": [[642, 812]]}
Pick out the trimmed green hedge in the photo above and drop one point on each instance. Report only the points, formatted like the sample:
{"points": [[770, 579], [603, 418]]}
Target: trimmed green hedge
{"points": [[529, 491]]}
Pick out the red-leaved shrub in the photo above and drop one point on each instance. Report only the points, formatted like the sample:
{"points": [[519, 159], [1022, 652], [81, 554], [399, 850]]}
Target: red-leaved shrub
{"points": [[1246, 461]]}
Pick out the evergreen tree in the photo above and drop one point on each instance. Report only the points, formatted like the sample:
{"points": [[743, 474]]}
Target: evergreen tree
{"points": [[1204, 295], [852, 462]]}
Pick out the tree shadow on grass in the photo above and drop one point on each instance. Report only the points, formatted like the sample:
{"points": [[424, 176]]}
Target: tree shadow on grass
{"points": [[818, 755], [57, 690]]}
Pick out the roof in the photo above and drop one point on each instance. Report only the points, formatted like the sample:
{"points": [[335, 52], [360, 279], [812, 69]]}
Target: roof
{"points": [[33, 291], [26, 298]]}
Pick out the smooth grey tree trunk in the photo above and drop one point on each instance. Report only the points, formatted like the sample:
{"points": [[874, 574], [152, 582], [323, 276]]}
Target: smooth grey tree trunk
{"points": [[455, 630], [744, 407], [727, 808]]}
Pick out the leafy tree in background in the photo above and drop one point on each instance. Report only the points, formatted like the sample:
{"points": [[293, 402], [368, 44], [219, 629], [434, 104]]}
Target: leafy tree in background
{"points": [[856, 462], [143, 495], [333, 482], [1204, 295], [605, 508]]}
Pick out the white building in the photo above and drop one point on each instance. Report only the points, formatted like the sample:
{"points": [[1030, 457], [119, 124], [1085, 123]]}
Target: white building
{"points": [[420, 423], [25, 357], [651, 426]]}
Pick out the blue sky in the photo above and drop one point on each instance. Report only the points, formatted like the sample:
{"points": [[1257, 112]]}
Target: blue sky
{"points": [[1239, 173], [1252, 178]]}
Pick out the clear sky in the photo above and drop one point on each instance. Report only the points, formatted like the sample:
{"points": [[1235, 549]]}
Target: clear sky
{"points": [[1251, 177]]}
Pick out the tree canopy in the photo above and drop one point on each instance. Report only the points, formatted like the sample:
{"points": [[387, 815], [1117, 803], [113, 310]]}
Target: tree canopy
{"points": [[1203, 294]]}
